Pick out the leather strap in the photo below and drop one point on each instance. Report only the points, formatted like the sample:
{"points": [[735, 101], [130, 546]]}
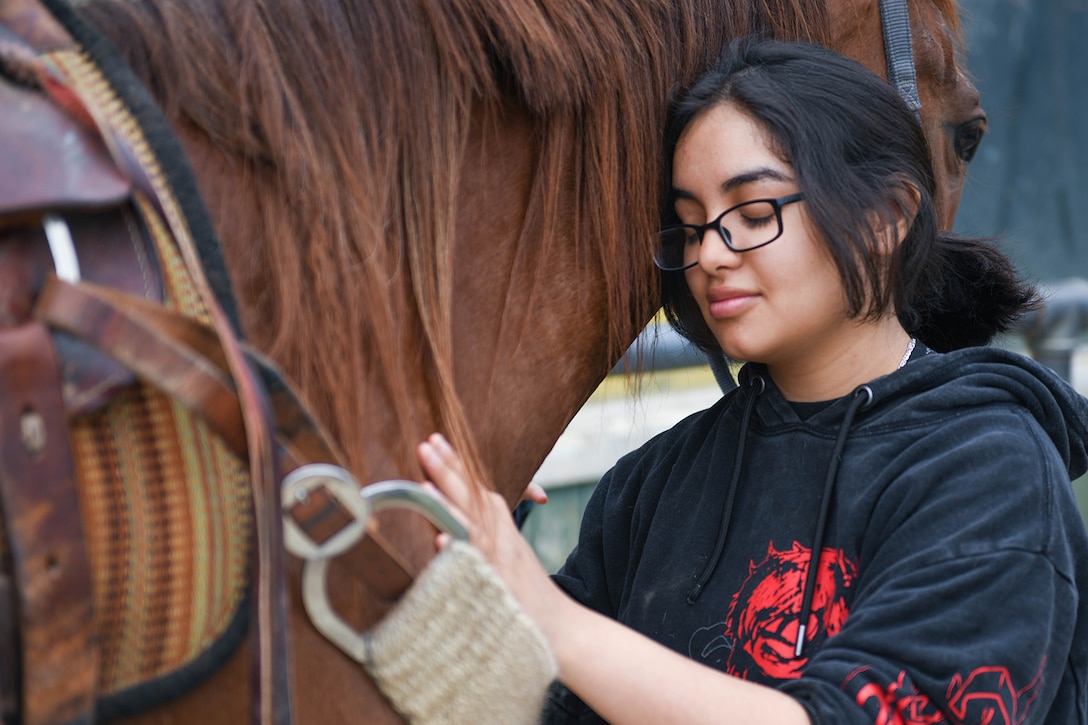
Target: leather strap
{"points": [[45, 532], [180, 357]]}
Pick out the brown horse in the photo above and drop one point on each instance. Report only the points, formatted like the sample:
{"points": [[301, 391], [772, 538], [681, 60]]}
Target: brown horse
{"points": [[435, 216]]}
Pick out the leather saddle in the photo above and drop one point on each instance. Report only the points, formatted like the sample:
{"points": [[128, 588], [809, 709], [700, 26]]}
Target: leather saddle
{"points": [[119, 375]]}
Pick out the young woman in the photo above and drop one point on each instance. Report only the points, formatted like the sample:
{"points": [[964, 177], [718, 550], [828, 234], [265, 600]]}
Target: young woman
{"points": [[878, 525]]}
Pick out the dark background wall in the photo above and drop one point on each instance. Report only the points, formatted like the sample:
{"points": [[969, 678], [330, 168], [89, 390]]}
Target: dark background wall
{"points": [[1029, 181]]}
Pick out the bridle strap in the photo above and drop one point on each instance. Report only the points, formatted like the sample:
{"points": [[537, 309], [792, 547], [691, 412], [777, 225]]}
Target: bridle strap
{"points": [[899, 52]]}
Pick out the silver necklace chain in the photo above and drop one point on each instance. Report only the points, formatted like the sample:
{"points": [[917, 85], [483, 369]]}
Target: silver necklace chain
{"points": [[906, 355]]}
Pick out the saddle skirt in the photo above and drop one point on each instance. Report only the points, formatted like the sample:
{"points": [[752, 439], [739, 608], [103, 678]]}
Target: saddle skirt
{"points": [[164, 502]]}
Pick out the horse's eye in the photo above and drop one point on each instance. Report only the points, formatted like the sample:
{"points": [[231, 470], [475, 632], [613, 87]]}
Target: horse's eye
{"points": [[968, 137]]}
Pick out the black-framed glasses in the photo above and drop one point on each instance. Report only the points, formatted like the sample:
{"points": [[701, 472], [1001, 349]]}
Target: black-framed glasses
{"points": [[743, 227]]}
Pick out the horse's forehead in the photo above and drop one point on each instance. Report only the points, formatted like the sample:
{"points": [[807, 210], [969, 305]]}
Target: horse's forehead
{"points": [[853, 23], [934, 45]]}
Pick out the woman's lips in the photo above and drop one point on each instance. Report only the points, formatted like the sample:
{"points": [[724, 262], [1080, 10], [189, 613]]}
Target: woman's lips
{"points": [[729, 302]]}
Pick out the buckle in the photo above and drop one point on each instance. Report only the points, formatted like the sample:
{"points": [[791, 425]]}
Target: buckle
{"points": [[360, 503]]}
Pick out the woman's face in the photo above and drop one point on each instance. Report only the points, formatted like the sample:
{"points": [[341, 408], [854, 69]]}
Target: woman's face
{"points": [[777, 304]]}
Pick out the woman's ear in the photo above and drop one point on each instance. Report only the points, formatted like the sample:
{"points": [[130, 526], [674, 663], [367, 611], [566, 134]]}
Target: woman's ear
{"points": [[905, 206], [891, 226]]}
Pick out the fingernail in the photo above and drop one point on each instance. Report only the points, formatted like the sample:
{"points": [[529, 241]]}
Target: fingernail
{"points": [[427, 451]]}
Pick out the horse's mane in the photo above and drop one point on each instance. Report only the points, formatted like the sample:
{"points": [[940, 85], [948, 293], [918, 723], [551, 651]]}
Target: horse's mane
{"points": [[351, 116]]}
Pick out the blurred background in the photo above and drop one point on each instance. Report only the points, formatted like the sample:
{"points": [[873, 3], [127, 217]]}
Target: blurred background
{"points": [[1027, 186]]}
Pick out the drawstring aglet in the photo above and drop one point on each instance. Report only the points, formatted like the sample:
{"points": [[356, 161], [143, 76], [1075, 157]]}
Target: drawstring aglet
{"points": [[800, 641]]}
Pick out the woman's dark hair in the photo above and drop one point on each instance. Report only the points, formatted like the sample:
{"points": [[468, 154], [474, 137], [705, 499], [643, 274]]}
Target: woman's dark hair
{"points": [[859, 156]]}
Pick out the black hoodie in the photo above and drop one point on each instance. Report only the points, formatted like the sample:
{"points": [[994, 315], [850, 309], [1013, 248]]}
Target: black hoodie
{"points": [[952, 583]]}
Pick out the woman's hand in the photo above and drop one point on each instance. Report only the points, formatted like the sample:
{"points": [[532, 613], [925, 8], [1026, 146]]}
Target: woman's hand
{"points": [[492, 530]]}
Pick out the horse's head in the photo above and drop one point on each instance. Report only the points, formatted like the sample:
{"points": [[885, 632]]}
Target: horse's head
{"points": [[953, 120]]}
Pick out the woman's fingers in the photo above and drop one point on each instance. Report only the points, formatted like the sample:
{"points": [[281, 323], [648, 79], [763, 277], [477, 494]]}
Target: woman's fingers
{"points": [[535, 492], [484, 518], [444, 467], [490, 526], [448, 454]]}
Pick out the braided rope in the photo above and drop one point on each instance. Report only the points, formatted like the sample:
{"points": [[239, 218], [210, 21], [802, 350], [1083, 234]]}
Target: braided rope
{"points": [[458, 650]]}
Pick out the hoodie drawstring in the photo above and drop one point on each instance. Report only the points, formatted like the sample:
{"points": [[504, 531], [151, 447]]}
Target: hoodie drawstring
{"points": [[862, 397], [757, 386]]}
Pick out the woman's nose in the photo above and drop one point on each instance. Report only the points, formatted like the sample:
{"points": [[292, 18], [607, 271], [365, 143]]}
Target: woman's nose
{"points": [[714, 252]]}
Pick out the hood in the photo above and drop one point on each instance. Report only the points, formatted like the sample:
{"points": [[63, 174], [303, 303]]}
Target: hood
{"points": [[963, 378], [987, 376]]}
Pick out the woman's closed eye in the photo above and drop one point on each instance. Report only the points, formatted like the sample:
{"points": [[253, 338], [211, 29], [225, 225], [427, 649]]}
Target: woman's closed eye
{"points": [[756, 220]]}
